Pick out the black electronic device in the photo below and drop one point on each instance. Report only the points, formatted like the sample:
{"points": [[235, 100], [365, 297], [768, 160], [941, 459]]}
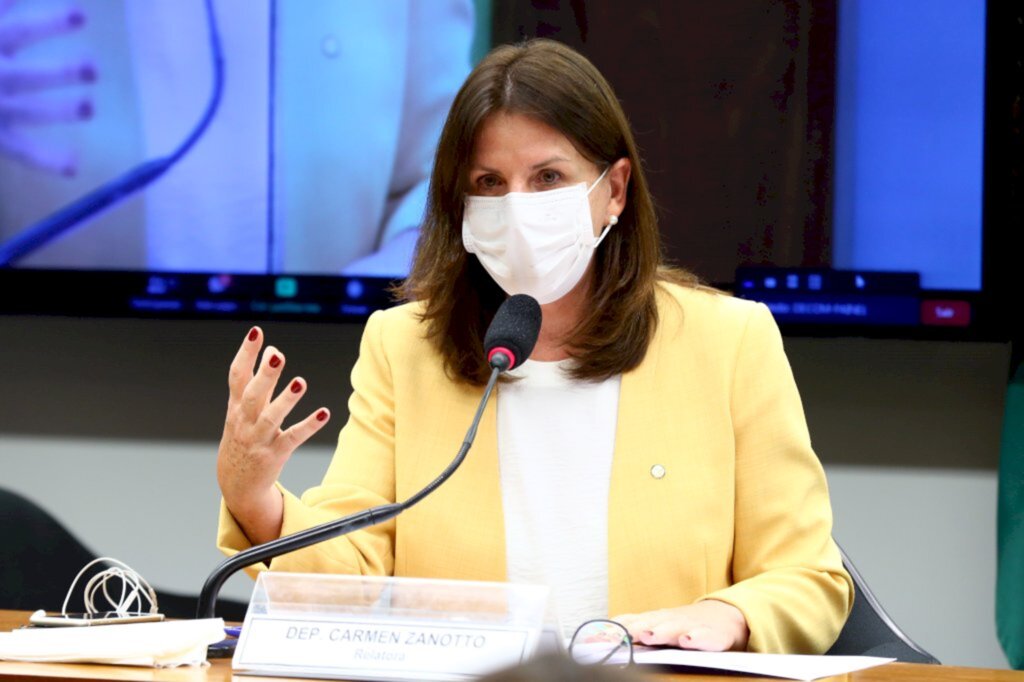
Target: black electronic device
{"points": [[57, 619], [967, 299]]}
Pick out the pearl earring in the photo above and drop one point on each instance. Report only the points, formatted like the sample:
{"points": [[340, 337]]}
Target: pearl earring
{"points": [[614, 220]]}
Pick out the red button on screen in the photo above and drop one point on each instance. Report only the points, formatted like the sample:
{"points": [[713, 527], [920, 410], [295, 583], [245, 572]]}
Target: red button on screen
{"points": [[946, 313]]}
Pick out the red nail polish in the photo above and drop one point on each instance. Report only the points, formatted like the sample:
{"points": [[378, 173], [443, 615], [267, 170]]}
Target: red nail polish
{"points": [[275, 361], [296, 386], [253, 333], [321, 415]]}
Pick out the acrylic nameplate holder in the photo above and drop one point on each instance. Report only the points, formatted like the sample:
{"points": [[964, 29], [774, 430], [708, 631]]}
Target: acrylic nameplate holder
{"points": [[375, 628]]}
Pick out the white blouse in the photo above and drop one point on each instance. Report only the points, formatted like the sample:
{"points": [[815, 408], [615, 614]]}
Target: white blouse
{"points": [[556, 437]]}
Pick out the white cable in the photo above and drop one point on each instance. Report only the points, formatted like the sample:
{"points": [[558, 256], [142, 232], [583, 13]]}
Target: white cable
{"points": [[133, 589]]}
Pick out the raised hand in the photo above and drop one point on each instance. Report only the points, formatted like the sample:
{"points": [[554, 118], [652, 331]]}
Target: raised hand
{"points": [[255, 447], [21, 81]]}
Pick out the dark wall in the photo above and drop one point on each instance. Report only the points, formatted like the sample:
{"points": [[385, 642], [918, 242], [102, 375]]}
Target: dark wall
{"points": [[153, 379], [886, 403], [732, 106]]}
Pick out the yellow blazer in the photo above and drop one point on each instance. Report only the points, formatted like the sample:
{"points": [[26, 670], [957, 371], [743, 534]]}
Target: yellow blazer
{"points": [[742, 513]]}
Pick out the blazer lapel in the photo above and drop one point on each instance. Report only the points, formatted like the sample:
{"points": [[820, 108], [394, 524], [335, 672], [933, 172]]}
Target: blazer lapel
{"points": [[641, 467], [483, 489], [458, 532]]}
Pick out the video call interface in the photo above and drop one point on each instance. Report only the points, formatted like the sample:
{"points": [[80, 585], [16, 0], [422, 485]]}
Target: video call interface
{"points": [[309, 175]]}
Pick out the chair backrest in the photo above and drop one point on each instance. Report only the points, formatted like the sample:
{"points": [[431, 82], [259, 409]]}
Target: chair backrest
{"points": [[40, 559], [869, 631]]}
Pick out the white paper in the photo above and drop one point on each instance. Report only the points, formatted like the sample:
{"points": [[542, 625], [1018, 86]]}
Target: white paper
{"points": [[164, 644], [788, 666]]}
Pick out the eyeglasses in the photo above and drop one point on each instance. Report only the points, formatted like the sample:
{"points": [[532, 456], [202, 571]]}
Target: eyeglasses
{"points": [[601, 641]]}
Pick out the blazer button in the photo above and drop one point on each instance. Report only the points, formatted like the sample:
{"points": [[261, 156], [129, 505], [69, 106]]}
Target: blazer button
{"points": [[657, 471]]}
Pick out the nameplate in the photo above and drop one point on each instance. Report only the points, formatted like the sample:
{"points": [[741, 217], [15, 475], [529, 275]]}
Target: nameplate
{"points": [[369, 649]]}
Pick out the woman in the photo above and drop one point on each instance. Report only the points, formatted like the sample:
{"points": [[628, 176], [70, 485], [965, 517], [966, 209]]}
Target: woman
{"points": [[651, 462]]}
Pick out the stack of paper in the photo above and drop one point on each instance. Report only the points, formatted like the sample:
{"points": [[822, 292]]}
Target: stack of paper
{"points": [[789, 666], [163, 645]]}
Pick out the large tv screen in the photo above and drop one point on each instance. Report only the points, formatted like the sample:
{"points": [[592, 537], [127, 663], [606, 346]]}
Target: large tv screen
{"points": [[269, 158]]}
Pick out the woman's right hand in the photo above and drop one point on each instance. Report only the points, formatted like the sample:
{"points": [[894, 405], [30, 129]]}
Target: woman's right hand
{"points": [[254, 447]]}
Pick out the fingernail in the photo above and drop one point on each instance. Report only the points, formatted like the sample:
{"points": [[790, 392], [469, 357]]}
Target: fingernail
{"points": [[321, 415], [296, 386], [253, 333], [85, 109], [275, 361], [87, 73], [76, 18]]}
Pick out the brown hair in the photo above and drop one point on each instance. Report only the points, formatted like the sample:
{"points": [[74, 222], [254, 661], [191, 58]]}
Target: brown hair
{"points": [[559, 87]]}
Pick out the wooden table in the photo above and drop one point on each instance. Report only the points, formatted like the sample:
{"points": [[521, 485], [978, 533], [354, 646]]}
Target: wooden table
{"points": [[220, 670]]}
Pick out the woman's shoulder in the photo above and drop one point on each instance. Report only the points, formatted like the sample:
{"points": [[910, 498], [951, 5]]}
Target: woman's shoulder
{"points": [[397, 337], [407, 315], [401, 326], [705, 307], [713, 326]]}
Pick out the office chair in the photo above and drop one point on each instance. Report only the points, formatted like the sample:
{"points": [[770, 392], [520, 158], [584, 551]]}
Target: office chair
{"points": [[39, 558], [869, 631]]}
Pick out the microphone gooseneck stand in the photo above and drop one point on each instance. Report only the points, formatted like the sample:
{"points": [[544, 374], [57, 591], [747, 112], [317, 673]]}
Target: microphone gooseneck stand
{"points": [[346, 524]]}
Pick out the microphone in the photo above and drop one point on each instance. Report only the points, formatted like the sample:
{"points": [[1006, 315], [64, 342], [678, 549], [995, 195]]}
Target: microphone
{"points": [[508, 343], [513, 332]]}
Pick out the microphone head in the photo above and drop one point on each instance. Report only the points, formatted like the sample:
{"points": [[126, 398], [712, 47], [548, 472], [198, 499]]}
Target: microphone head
{"points": [[513, 332]]}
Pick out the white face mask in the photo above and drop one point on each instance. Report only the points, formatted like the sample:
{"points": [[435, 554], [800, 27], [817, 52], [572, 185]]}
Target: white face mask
{"points": [[536, 243]]}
